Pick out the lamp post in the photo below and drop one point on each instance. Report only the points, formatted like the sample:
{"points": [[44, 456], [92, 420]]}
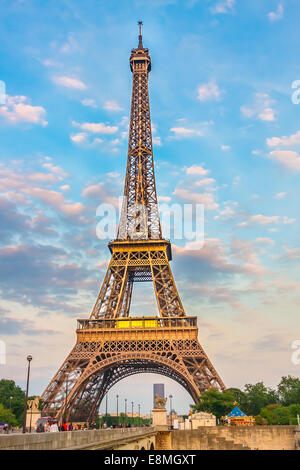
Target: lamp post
{"points": [[106, 406], [10, 399], [125, 418], [139, 415], [171, 416], [117, 410], [132, 412], [29, 359]]}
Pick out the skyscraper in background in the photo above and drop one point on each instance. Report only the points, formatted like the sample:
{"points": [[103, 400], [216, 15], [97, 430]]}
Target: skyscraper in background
{"points": [[158, 389]]}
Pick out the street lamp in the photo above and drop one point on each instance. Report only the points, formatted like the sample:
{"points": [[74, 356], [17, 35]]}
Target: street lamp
{"points": [[139, 415], [117, 410], [106, 406], [29, 359], [125, 418], [132, 412], [10, 399], [171, 416]]}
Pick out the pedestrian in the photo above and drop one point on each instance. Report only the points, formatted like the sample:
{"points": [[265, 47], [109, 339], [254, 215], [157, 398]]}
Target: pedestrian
{"points": [[64, 427], [54, 427], [40, 428], [70, 428]]}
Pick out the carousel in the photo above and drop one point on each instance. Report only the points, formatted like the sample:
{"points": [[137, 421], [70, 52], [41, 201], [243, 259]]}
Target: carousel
{"points": [[237, 418]]}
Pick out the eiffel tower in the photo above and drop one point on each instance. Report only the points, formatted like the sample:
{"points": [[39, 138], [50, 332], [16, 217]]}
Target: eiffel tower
{"points": [[111, 345]]}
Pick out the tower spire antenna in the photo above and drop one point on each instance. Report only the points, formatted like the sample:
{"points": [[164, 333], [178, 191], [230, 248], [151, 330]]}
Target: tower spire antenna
{"points": [[140, 35]]}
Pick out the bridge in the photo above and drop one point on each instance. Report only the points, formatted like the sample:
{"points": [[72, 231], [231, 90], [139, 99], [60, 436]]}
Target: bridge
{"points": [[156, 438], [99, 439]]}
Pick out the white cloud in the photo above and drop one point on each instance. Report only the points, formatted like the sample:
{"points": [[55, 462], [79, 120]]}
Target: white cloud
{"points": [[79, 138], [267, 114], [280, 196], [112, 106], [260, 219], [287, 221], [225, 147], [208, 91], [287, 158], [71, 45], [89, 102], [100, 192], [265, 241], [65, 187], [96, 127], [156, 141], [206, 199], [18, 110], [205, 182], [260, 109], [227, 213], [55, 200], [285, 141], [184, 132], [57, 170], [70, 82], [265, 220], [50, 63], [164, 199], [224, 7], [276, 15], [197, 170]]}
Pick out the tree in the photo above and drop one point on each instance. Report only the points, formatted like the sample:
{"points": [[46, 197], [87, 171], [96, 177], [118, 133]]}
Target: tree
{"points": [[8, 389], [216, 402], [289, 390], [7, 416], [269, 413], [240, 397], [259, 396], [260, 421], [277, 414]]}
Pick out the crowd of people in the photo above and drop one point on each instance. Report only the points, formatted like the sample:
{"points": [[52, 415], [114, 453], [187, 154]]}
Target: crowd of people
{"points": [[54, 427]]}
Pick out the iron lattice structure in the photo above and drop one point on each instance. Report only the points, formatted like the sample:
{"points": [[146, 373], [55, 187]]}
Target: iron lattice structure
{"points": [[111, 345]]}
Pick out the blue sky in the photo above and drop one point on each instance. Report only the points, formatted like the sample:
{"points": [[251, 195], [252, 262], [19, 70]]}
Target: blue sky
{"points": [[226, 134]]}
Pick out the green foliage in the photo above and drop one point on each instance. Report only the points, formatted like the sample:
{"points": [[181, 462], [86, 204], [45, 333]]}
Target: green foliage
{"points": [[8, 389], [289, 390], [277, 414], [123, 420], [240, 397], [218, 403], [98, 422], [258, 396], [260, 421], [7, 416], [269, 406]]}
